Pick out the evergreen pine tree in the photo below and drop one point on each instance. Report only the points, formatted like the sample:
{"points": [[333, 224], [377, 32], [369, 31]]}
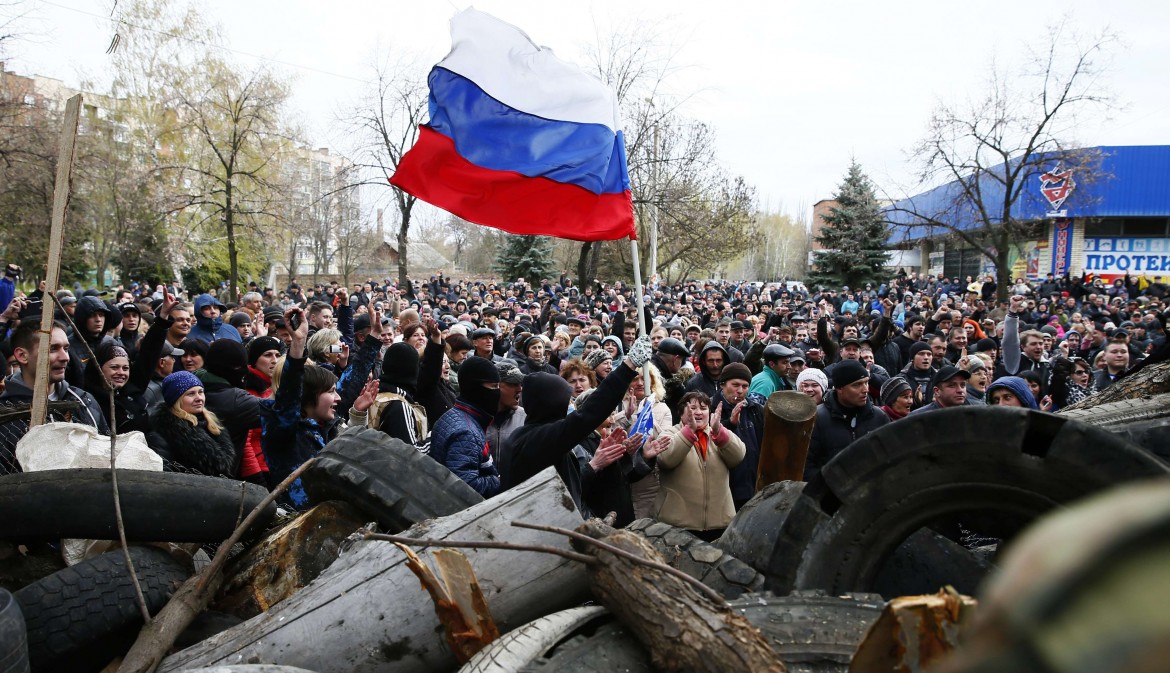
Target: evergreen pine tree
{"points": [[527, 257], [854, 236]]}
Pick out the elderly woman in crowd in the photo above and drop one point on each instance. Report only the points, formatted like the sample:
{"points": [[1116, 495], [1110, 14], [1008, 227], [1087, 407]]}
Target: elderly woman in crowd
{"points": [[695, 493]]}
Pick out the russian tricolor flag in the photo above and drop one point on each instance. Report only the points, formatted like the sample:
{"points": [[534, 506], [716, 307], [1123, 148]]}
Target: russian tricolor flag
{"points": [[519, 140]]}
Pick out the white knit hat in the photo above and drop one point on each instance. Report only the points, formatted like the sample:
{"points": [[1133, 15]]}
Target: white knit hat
{"points": [[816, 376]]}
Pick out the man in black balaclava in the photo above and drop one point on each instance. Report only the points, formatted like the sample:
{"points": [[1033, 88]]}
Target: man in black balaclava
{"points": [[458, 439], [548, 435], [394, 411]]}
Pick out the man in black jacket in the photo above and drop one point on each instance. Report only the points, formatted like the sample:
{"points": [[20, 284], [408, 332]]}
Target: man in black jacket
{"points": [[846, 415], [548, 435]]}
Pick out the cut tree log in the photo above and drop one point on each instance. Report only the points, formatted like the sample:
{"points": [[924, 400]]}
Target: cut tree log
{"points": [[287, 560], [788, 422], [1146, 382], [684, 630], [367, 612]]}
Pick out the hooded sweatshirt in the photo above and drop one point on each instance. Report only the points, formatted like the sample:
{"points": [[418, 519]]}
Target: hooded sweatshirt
{"points": [[703, 381], [79, 356], [210, 329], [1018, 387], [548, 435]]}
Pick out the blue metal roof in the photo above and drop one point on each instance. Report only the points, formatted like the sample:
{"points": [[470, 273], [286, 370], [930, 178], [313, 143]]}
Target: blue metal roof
{"points": [[1134, 182]]}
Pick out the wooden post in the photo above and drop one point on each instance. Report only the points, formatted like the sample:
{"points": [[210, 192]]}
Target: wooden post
{"points": [[61, 187], [789, 417]]}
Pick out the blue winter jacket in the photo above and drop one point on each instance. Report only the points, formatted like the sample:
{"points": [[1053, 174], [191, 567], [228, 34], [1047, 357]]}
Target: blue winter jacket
{"points": [[288, 438], [208, 329], [459, 442]]}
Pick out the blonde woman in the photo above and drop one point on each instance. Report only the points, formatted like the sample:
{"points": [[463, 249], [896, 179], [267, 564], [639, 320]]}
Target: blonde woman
{"points": [[644, 491], [327, 350], [187, 433]]}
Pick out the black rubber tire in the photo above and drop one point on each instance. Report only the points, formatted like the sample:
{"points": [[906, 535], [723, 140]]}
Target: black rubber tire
{"points": [[80, 618], [387, 479], [702, 560], [811, 632], [605, 647], [13, 640], [1000, 466], [156, 506], [751, 535], [926, 562]]}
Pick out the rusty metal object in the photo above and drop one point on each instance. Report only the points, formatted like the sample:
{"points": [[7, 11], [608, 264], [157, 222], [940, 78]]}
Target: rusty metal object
{"points": [[913, 632], [287, 559], [788, 423], [459, 603]]}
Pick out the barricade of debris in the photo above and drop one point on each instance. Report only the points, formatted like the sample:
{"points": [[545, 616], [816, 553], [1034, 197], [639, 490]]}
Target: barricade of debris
{"points": [[876, 564]]}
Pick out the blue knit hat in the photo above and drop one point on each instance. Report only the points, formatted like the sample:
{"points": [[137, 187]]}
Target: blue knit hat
{"points": [[178, 383]]}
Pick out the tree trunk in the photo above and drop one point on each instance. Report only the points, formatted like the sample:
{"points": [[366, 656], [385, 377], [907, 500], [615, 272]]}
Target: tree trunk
{"points": [[403, 267], [583, 277], [230, 225], [367, 611], [683, 629], [1003, 270]]}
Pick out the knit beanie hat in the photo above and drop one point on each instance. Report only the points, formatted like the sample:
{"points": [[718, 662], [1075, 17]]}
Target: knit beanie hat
{"points": [[595, 358], [917, 347], [178, 383], [735, 370], [261, 345], [848, 371], [985, 344], [816, 376], [892, 388], [239, 319], [228, 360]]}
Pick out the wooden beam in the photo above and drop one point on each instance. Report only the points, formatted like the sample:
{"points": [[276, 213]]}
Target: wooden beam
{"points": [[61, 188]]}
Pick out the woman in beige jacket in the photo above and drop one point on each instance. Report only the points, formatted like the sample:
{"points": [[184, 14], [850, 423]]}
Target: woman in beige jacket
{"points": [[695, 491]]}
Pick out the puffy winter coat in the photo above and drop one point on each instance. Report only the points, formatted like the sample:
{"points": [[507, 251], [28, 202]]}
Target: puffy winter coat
{"points": [[458, 441], [193, 446]]}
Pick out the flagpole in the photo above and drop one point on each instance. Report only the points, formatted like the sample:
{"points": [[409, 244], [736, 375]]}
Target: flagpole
{"points": [[642, 327]]}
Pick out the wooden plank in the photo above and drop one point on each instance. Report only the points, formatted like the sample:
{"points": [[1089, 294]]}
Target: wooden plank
{"points": [[789, 417], [368, 613], [61, 188]]}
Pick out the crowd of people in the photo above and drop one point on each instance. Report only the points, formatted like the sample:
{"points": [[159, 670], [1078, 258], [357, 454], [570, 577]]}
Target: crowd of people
{"points": [[500, 380]]}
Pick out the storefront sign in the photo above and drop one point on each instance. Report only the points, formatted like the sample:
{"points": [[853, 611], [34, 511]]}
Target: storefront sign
{"points": [[1061, 246], [1135, 256]]}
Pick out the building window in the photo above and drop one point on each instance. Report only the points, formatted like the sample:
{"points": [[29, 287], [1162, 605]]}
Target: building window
{"points": [[1103, 227], [1144, 227]]}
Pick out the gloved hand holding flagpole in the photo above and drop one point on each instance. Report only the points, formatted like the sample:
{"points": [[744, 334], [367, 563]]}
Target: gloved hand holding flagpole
{"points": [[521, 141]]}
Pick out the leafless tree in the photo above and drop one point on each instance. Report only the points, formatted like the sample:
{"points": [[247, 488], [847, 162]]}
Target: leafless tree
{"points": [[386, 120], [991, 151]]}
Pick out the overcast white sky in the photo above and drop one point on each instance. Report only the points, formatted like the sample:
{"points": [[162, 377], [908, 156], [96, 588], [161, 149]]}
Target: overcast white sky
{"points": [[794, 89]]}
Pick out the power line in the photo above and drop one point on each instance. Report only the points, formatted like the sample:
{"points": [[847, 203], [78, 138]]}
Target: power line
{"points": [[210, 45]]}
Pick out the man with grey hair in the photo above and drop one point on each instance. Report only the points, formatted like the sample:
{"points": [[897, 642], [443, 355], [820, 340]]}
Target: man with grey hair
{"points": [[254, 302]]}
